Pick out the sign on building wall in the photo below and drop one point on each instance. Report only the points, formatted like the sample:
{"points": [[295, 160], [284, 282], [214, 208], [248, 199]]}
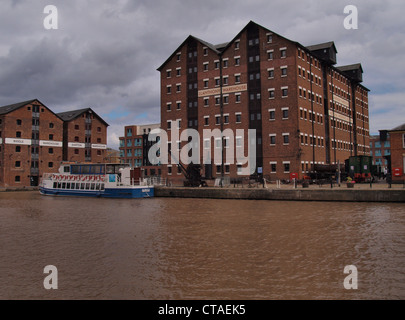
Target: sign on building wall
{"points": [[226, 89], [26, 142], [76, 145], [46, 143], [99, 146]]}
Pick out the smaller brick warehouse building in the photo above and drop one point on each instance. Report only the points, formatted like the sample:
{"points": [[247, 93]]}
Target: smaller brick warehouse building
{"points": [[31, 138], [84, 136], [397, 137], [34, 140]]}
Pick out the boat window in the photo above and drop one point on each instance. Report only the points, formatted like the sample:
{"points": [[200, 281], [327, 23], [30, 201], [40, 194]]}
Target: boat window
{"points": [[75, 169], [82, 186], [55, 184], [97, 186], [77, 186], [59, 184], [87, 186], [63, 185], [110, 168], [66, 169], [72, 186], [102, 186], [68, 185], [92, 186], [86, 169]]}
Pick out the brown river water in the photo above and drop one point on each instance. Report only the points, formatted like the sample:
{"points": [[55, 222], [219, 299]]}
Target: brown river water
{"points": [[165, 248]]}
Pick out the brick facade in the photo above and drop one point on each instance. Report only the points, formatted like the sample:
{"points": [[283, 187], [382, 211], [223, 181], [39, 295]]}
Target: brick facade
{"points": [[305, 110], [397, 136], [34, 140], [30, 143]]}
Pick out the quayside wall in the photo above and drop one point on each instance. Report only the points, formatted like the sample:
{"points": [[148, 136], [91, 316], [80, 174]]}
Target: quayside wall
{"points": [[349, 195]]}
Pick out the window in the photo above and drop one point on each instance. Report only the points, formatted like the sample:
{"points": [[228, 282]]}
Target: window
{"points": [[238, 117], [283, 52], [178, 72], [217, 119], [169, 89], [270, 55], [169, 106], [237, 45], [178, 87], [286, 138], [18, 134], [206, 120], [237, 61], [19, 122], [269, 38], [285, 113], [237, 78], [17, 179], [205, 51], [237, 97], [272, 114], [273, 167], [18, 164], [216, 64], [178, 105], [226, 118], [50, 164], [18, 149], [284, 92], [50, 150], [51, 125], [76, 139], [76, 151], [283, 71], [272, 139], [178, 57], [169, 73], [51, 137], [206, 102], [225, 63], [271, 93], [286, 167], [270, 73]]}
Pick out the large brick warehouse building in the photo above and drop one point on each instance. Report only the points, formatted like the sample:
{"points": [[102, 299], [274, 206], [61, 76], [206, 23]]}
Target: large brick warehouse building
{"points": [[34, 140], [305, 109]]}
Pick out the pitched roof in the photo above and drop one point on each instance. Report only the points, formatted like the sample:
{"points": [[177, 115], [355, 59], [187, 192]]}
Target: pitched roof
{"points": [[350, 67], [321, 46], [71, 115], [15, 106], [399, 128]]}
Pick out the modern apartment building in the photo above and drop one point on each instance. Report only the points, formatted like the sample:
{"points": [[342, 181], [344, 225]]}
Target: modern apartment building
{"points": [[135, 145], [304, 108], [380, 150]]}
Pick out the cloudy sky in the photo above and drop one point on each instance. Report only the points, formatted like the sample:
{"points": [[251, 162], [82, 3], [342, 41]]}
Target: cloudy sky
{"points": [[104, 54]]}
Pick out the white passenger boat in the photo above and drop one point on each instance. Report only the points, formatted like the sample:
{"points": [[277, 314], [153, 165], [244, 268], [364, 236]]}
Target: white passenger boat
{"points": [[110, 180]]}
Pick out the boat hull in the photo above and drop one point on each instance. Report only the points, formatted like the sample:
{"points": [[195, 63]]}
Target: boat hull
{"points": [[126, 193]]}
